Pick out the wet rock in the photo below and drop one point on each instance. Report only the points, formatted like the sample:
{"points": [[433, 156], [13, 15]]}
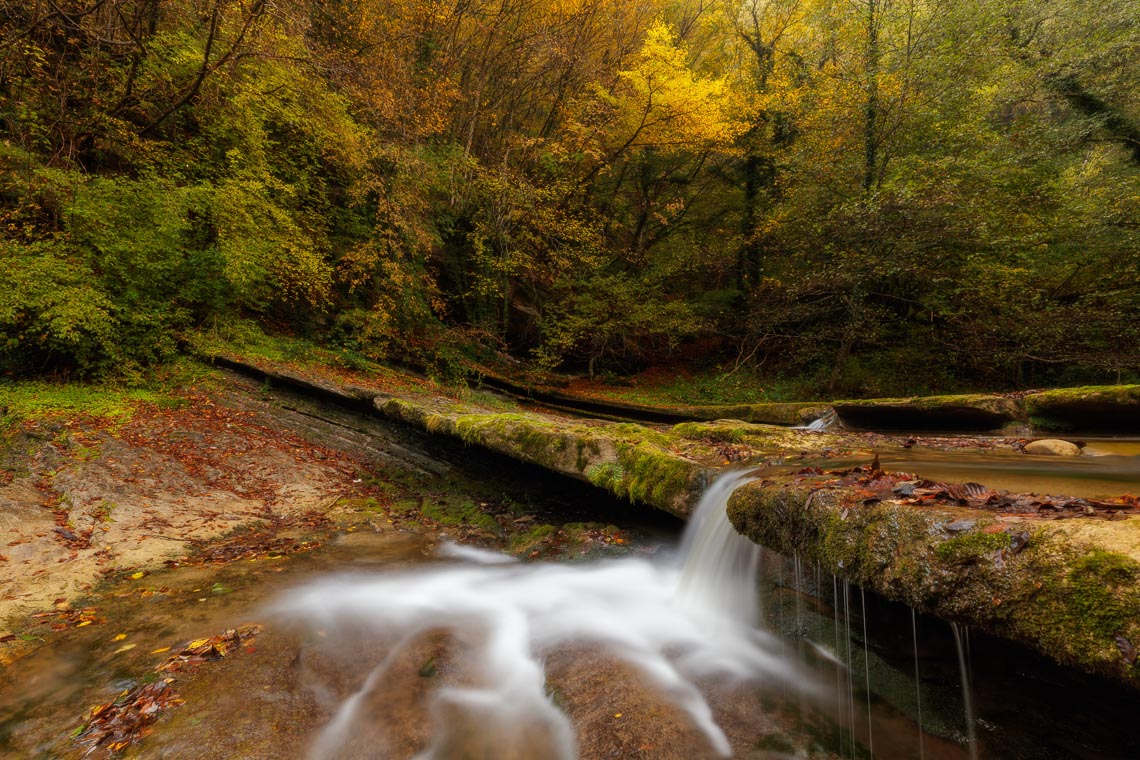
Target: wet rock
{"points": [[1018, 540], [961, 526], [1107, 408], [905, 489], [1053, 447], [1066, 588]]}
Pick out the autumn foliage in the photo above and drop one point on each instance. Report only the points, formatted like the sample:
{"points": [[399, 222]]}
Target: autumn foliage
{"points": [[835, 190]]}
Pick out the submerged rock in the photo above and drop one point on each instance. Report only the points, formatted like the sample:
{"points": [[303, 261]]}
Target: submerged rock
{"points": [[1053, 447]]}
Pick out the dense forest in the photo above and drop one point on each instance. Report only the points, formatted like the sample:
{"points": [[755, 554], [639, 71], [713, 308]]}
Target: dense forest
{"points": [[872, 195]]}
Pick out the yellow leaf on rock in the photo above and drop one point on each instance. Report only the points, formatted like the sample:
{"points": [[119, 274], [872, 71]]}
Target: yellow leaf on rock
{"points": [[119, 637]]}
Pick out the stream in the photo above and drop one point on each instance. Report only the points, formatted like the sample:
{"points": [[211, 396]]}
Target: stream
{"points": [[1108, 468], [687, 644]]}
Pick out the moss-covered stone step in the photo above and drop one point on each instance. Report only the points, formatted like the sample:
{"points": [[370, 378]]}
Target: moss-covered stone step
{"points": [[775, 413], [662, 467], [1070, 589], [1114, 408], [977, 412], [627, 460]]}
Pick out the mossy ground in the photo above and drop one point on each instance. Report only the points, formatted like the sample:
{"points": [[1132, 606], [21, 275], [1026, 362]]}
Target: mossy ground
{"points": [[32, 400]]}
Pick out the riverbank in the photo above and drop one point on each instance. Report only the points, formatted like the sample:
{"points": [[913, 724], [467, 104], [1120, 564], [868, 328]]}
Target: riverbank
{"points": [[230, 467], [102, 485], [1050, 569]]}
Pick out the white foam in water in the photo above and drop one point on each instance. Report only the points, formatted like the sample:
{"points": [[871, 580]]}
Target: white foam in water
{"points": [[825, 422], [673, 621]]}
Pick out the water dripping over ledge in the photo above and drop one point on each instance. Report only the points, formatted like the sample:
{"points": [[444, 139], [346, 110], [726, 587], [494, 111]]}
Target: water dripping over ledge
{"points": [[914, 686], [622, 657]]}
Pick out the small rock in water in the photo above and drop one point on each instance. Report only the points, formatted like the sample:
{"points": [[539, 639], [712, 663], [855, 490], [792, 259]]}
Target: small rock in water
{"points": [[1053, 447]]}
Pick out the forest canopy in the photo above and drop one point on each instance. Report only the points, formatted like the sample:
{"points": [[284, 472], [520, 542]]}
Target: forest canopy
{"points": [[872, 195]]}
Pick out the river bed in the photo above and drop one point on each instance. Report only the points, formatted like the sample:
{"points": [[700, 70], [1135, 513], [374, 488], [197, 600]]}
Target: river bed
{"points": [[386, 640]]}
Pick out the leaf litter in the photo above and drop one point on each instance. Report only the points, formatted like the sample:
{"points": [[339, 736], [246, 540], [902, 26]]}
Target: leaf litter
{"points": [[111, 727], [876, 485]]}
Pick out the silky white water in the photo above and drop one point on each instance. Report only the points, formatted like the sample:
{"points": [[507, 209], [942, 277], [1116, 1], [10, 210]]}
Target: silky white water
{"points": [[674, 621], [825, 422]]}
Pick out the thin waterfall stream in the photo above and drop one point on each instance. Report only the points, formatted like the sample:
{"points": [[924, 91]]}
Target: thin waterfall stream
{"points": [[967, 698]]}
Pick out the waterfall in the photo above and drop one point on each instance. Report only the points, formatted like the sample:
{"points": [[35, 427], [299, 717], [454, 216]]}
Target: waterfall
{"points": [[824, 422], [676, 622], [967, 700], [720, 567]]}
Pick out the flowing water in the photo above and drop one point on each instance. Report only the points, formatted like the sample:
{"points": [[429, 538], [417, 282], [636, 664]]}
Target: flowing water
{"points": [[398, 645], [1109, 468], [825, 422], [967, 699], [675, 623]]}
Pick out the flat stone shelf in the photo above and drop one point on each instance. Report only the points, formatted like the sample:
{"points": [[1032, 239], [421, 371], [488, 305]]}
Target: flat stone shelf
{"points": [[1068, 588]]}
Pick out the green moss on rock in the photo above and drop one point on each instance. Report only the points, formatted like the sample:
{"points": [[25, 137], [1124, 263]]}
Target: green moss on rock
{"points": [[628, 460], [654, 476], [1104, 407], [1095, 582], [957, 412], [533, 539], [456, 511], [1071, 601], [973, 546], [608, 475]]}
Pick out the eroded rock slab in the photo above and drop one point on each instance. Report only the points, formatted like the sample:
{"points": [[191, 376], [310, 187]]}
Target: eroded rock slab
{"points": [[978, 412], [1113, 408], [1069, 588]]}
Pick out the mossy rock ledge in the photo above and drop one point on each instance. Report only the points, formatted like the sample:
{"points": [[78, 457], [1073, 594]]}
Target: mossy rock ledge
{"points": [[631, 461], [1110, 407], [767, 413], [977, 412], [1070, 591], [627, 460]]}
